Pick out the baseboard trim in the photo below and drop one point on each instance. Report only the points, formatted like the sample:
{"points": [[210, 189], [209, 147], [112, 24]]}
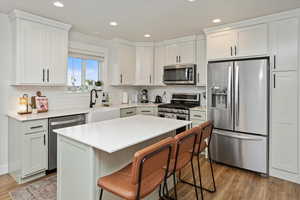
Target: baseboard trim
{"points": [[3, 169]]}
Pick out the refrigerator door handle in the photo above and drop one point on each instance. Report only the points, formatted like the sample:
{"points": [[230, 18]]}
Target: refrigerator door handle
{"points": [[239, 136], [229, 92], [237, 97]]}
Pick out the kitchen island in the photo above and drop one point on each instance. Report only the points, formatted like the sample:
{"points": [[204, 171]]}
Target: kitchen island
{"points": [[90, 151]]}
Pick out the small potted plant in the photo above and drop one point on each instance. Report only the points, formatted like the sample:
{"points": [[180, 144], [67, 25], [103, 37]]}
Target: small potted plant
{"points": [[98, 85]]}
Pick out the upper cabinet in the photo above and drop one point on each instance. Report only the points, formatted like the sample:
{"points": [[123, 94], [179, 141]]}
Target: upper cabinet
{"points": [[284, 44], [201, 62], [40, 50], [123, 63], [243, 42], [181, 53], [144, 65], [159, 63]]}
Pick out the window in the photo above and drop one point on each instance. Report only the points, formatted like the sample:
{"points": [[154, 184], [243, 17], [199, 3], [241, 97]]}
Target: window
{"points": [[83, 71]]}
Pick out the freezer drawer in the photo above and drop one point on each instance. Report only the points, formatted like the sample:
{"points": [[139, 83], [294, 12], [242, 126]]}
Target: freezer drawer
{"points": [[240, 150]]}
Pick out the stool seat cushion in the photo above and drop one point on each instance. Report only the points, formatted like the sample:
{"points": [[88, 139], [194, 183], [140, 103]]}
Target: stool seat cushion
{"points": [[120, 184]]}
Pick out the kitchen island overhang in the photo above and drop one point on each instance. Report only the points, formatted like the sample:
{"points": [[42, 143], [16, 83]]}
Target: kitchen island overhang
{"points": [[90, 151]]}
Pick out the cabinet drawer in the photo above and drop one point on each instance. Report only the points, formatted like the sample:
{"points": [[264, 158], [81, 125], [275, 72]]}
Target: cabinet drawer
{"points": [[35, 126], [196, 123], [198, 115], [127, 112], [145, 111]]}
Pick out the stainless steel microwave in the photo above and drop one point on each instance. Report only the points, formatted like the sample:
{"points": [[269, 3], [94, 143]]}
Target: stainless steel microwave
{"points": [[180, 74]]}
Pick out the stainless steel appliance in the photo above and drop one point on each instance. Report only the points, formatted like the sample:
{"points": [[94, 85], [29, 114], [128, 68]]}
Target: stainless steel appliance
{"points": [[179, 108], [180, 74], [238, 103], [57, 123], [144, 96]]}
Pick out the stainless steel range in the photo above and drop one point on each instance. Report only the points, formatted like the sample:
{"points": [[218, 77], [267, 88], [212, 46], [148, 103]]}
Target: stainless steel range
{"points": [[180, 105]]}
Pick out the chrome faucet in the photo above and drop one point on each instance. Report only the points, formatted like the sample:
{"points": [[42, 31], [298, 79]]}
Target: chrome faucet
{"points": [[92, 103]]}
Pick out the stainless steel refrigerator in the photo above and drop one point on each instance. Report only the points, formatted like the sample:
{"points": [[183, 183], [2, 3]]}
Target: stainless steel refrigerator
{"points": [[238, 103]]}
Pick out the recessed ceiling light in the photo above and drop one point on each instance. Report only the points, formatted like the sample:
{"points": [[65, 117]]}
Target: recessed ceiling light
{"points": [[216, 21], [147, 35], [191, 0], [58, 4], [113, 23]]}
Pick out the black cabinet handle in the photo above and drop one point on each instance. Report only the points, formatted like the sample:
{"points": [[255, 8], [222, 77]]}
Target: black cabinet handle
{"points": [[48, 75], [145, 111], [36, 127], [150, 79], [231, 51], [129, 113], [179, 59], [44, 140], [235, 51], [274, 80], [121, 78], [43, 75], [275, 61]]}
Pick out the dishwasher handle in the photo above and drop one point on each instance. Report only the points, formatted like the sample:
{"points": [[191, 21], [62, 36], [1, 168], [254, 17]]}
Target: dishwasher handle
{"points": [[66, 122]]}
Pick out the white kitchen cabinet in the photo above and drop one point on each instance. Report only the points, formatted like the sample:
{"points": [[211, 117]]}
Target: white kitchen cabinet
{"points": [[284, 44], [181, 53], [242, 42], [40, 50], [127, 112], [27, 149], [201, 62], [147, 110], [220, 45], [124, 63], [252, 41], [159, 63], [144, 65], [34, 152], [284, 122]]}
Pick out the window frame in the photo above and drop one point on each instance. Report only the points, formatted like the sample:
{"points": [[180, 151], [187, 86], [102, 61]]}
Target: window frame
{"points": [[84, 59]]}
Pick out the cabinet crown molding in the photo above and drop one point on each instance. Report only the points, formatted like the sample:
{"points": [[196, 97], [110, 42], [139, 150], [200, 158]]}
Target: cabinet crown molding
{"points": [[181, 39], [254, 21], [19, 14]]}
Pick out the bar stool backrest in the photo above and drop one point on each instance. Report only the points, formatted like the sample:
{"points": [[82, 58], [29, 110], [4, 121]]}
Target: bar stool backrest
{"points": [[184, 145], [206, 130], [151, 161]]}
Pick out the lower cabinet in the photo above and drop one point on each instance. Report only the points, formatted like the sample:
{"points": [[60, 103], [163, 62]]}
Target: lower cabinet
{"points": [[197, 116], [146, 111], [28, 149], [127, 112], [284, 136]]}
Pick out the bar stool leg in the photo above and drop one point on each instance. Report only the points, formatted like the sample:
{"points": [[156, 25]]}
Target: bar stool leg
{"points": [[174, 182], [101, 193], [194, 179], [200, 178], [212, 172]]}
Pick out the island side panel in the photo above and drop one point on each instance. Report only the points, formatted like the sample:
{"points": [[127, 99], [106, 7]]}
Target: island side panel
{"points": [[75, 170]]}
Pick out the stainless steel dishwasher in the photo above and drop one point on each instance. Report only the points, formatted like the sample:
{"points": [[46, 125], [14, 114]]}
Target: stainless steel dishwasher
{"points": [[57, 123]]}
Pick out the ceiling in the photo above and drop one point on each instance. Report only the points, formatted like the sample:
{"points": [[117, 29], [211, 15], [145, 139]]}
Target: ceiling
{"points": [[163, 19]]}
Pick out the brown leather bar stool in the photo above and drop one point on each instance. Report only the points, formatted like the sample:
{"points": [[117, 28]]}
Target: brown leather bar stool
{"points": [[184, 144], [143, 175], [203, 142]]}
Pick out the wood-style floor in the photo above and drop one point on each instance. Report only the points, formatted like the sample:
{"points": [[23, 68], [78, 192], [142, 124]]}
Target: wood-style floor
{"points": [[232, 184]]}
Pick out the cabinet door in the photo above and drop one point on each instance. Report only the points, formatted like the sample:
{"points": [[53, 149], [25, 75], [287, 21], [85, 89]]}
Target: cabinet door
{"points": [[172, 54], [284, 44], [127, 64], [159, 63], [187, 52], [34, 153], [144, 65], [31, 64], [284, 130], [252, 41], [221, 45], [201, 63], [58, 55]]}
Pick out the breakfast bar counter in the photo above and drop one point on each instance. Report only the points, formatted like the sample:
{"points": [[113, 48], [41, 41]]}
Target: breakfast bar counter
{"points": [[93, 150]]}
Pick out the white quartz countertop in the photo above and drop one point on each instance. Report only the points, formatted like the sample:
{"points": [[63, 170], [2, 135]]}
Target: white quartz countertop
{"points": [[73, 111], [117, 134]]}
